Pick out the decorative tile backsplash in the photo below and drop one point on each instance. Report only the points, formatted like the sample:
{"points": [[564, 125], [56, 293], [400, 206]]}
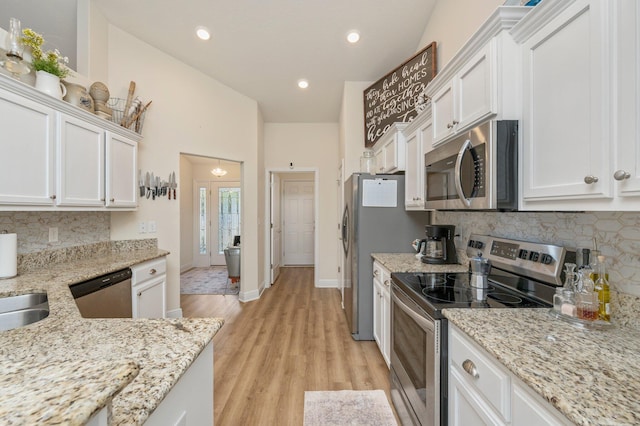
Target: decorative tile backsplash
{"points": [[74, 228], [617, 235]]}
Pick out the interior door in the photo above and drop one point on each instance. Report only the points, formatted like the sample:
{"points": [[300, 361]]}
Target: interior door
{"points": [[276, 229], [298, 222]]}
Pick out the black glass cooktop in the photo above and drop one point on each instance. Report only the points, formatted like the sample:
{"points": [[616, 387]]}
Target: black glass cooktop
{"points": [[437, 291]]}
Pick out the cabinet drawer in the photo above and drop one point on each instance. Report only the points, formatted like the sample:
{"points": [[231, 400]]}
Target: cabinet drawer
{"points": [[381, 274], [147, 270], [492, 383]]}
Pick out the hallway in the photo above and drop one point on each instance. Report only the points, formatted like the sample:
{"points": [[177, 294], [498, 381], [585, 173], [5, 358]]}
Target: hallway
{"points": [[294, 339]]}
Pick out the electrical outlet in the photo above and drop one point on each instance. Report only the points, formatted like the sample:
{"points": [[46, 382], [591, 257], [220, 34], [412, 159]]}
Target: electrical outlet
{"points": [[53, 235], [152, 226], [142, 227]]}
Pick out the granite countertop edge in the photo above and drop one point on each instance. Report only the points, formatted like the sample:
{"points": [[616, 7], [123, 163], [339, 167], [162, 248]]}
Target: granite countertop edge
{"points": [[408, 262], [597, 384], [65, 368]]}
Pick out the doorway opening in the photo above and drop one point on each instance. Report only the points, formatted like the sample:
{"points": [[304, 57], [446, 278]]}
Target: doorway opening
{"points": [[210, 225], [292, 217]]}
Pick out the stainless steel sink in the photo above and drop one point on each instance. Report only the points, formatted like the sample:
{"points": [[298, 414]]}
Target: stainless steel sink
{"points": [[16, 319], [23, 301], [25, 309]]}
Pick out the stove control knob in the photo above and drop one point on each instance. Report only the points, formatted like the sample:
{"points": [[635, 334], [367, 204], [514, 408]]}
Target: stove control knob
{"points": [[547, 259], [523, 254], [534, 256]]}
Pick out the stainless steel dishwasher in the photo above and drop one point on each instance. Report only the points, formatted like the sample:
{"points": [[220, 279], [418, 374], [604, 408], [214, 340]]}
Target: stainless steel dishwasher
{"points": [[107, 296]]}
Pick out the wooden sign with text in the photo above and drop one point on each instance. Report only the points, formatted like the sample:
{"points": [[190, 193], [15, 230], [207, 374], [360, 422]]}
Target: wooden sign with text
{"points": [[394, 98]]}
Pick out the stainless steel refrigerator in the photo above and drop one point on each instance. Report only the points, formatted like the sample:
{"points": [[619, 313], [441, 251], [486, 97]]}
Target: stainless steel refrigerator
{"points": [[373, 221]]}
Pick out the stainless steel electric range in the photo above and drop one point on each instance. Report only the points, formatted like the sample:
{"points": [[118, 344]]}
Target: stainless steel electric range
{"points": [[523, 275]]}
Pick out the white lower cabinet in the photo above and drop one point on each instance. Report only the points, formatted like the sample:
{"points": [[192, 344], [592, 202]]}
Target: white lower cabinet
{"points": [[382, 310], [483, 392], [190, 401], [148, 286]]}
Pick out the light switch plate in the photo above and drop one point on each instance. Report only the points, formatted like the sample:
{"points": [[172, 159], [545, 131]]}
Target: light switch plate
{"points": [[53, 235], [151, 226]]}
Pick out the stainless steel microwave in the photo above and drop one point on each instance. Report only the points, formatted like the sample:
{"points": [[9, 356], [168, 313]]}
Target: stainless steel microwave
{"points": [[477, 170]]}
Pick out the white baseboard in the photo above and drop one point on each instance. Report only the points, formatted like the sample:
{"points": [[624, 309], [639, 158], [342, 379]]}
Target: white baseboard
{"points": [[174, 313], [327, 284], [248, 296], [185, 268]]}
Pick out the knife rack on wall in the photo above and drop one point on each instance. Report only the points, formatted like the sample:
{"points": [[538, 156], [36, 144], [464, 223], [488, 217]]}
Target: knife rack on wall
{"points": [[152, 186]]}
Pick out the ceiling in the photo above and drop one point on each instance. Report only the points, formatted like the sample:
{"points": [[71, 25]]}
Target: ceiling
{"points": [[261, 48]]}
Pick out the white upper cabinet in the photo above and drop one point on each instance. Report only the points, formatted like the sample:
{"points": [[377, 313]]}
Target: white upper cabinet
{"points": [[28, 152], [580, 111], [418, 137], [122, 159], [627, 125], [80, 153], [389, 150], [481, 81], [59, 157]]}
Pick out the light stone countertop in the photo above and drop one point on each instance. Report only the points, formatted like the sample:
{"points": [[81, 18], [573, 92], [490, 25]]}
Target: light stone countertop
{"points": [[65, 368], [592, 377], [408, 262]]}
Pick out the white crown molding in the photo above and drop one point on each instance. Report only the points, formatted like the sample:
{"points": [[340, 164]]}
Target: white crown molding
{"points": [[539, 16], [503, 18]]}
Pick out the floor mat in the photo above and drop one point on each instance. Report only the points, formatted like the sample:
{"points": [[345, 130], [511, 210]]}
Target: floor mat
{"points": [[211, 280], [347, 407]]}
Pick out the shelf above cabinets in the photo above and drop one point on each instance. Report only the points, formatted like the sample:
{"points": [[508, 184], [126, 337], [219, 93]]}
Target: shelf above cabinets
{"points": [[59, 157]]}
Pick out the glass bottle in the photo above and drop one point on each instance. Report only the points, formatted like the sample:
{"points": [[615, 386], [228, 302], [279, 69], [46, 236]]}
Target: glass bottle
{"points": [[602, 289], [564, 296], [558, 299], [13, 44], [586, 297], [368, 162], [568, 303]]}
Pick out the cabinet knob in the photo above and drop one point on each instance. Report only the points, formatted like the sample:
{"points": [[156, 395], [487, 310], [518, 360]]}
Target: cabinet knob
{"points": [[139, 293], [621, 175], [386, 282], [375, 273], [470, 368], [152, 271], [590, 179], [112, 200], [53, 197], [449, 125]]}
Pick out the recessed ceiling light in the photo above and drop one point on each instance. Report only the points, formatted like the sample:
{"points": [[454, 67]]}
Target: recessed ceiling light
{"points": [[303, 84], [203, 33], [353, 36]]}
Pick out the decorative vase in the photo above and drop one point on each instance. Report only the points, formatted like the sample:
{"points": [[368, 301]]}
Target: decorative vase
{"points": [[77, 95], [50, 84]]}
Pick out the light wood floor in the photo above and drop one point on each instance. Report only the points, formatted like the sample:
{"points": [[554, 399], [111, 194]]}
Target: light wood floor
{"points": [[270, 351]]}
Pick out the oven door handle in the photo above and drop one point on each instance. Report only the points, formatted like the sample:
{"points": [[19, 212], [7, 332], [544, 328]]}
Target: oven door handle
{"points": [[403, 303], [465, 147]]}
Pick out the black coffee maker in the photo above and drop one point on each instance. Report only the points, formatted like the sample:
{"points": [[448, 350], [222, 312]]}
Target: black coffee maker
{"points": [[440, 248]]}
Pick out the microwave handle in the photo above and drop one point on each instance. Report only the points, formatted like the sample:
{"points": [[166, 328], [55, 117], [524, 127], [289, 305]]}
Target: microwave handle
{"points": [[465, 146]]}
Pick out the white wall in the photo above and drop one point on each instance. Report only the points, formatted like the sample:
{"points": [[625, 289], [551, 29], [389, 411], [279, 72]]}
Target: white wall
{"points": [[194, 114], [452, 23], [352, 125], [311, 145]]}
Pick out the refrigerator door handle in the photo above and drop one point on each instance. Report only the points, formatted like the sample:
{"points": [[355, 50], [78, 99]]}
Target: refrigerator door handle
{"points": [[345, 230]]}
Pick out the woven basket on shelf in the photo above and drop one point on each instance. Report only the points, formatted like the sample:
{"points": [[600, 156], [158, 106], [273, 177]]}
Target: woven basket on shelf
{"points": [[118, 105]]}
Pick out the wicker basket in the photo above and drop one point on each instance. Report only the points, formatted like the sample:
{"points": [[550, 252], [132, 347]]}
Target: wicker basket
{"points": [[118, 105]]}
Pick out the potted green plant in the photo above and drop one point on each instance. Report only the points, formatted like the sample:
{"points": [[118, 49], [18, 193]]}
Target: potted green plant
{"points": [[50, 66]]}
